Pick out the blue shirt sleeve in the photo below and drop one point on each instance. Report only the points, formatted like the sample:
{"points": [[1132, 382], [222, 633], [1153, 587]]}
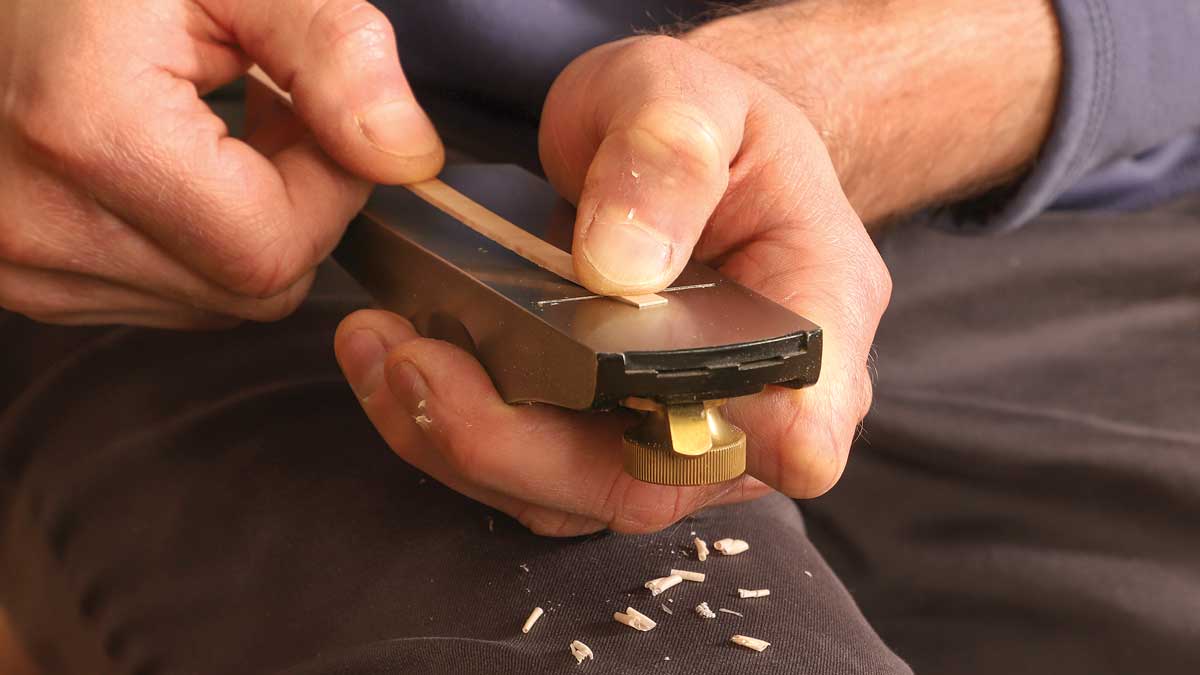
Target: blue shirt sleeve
{"points": [[1128, 116]]}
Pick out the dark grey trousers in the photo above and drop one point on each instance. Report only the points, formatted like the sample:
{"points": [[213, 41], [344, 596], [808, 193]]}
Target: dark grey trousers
{"points": [[1025, 497]]}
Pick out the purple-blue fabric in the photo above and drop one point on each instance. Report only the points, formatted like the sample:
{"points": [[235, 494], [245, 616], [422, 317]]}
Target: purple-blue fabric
{"points": [[1126, 134]]}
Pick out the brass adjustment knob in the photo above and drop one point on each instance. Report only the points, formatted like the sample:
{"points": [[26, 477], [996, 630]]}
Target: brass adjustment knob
{"points": [[683, 444]]}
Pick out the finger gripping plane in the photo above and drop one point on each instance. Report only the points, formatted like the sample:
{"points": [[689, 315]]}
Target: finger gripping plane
{"points": [[543, 339]]}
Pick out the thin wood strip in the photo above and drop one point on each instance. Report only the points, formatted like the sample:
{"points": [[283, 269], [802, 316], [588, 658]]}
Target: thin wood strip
{"points": [[487, 223], [259, 75], [532, 248]]}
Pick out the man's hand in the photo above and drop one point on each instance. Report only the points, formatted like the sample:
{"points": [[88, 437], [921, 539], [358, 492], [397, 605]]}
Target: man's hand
{"points": [[122, 197], [668, 153]]}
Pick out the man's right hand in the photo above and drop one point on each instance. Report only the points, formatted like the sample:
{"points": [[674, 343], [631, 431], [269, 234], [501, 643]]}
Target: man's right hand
{"points": [[122, 197]]}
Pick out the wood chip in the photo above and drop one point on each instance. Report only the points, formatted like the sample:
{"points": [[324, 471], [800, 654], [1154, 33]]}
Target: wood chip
{"points": [[701, 549], [661, 584], [750, 643], [533, 617], [423, 420], [688, 576], [730, 611], [666, 609], [808, 574], [760, 593], [581, 651], [635, 619], [731, 546], [703, 610]]}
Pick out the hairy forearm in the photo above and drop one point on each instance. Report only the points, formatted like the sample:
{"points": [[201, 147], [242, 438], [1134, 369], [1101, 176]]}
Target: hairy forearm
{"points": [[920, 101]]}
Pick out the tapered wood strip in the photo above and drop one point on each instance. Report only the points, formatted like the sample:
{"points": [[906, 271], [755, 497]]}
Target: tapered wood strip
{"points": [[534, 249], [479, 218], [258, 75]]}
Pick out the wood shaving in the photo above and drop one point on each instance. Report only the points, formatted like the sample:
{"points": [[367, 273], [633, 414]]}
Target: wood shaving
{"points": [[581, 651], [750, 643], [422, 420], [703, 610], [661, 584], [760, 593], [635, 619], [524, 567], [731, 546], [701, 549], [533, 617], [730, 611], [809, 574], [688, 576], [666, 609]]}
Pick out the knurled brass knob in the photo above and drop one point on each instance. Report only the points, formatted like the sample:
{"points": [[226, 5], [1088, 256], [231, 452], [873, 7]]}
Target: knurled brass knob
{"points": [[683, 444]]}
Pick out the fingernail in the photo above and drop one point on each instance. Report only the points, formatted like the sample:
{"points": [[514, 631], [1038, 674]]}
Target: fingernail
{"points": [[399, 128], [409, 387], [362, 360], [626, 253]]}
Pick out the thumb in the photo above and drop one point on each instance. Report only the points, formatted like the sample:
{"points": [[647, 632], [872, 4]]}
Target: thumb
{"points": [[338, 59], [650, 163]]}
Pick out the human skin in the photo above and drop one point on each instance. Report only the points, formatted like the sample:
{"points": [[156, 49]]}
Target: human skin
{"points": [[920, 102], [885, 107], [727, 170], [127, 202], [124, 198]]}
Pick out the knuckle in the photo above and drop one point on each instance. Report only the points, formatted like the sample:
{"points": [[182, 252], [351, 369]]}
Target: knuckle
{"points": [[679, 138], [352, 26], [643, 523], [271, 309], [17, 248], [262, 264], [879, 281], [810, 476], [864, 395], [254, 275], [276, 307], [32, 302], [811, 457], [545, 523], [653, 49], [641, 508]]}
